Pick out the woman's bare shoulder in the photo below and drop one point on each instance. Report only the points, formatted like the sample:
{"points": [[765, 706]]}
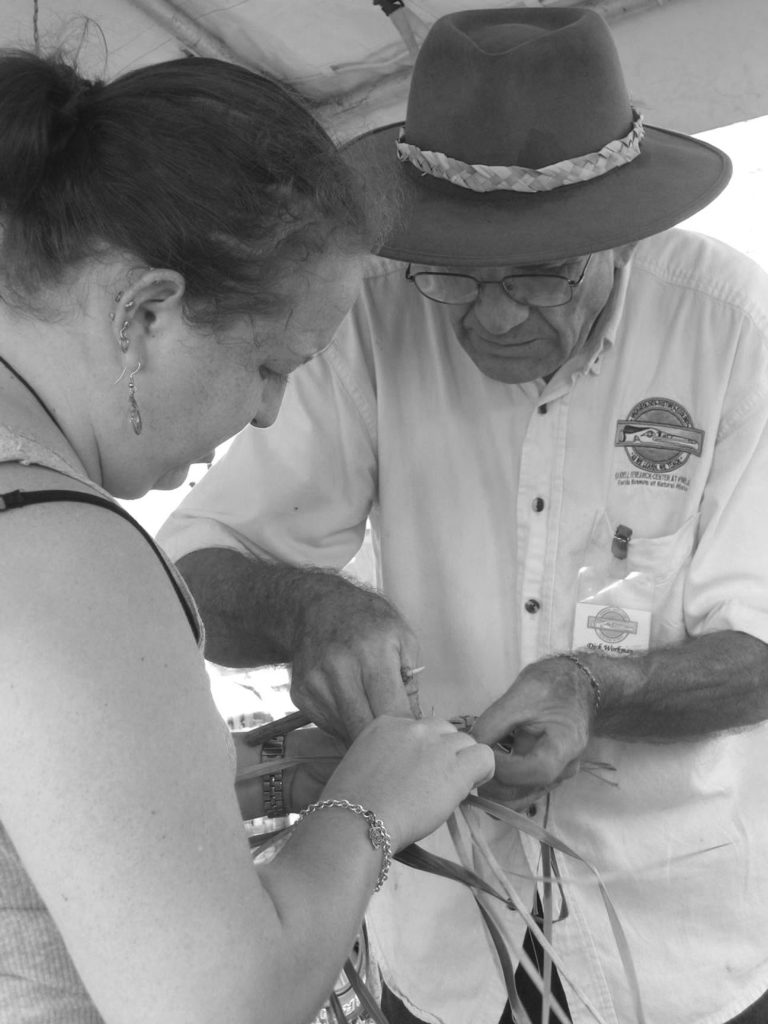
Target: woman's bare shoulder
{"points": [[78, 570]]}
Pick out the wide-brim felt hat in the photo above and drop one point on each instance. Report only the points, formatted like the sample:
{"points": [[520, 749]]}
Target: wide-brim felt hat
{"points": [[520, 146]]}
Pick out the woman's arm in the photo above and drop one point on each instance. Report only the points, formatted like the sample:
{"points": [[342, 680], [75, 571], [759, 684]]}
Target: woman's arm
{"points": [[116, 789]]}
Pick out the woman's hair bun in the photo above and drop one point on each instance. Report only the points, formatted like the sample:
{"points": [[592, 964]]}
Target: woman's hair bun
{"points": [[194, 164], [41, 103]]}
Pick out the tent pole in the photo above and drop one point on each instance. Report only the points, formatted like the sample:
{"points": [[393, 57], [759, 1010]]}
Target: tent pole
{"points": [[189, 33]]}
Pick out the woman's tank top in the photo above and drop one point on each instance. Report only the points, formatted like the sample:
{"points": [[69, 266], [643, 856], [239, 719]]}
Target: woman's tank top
{"points": [[38, 981]]}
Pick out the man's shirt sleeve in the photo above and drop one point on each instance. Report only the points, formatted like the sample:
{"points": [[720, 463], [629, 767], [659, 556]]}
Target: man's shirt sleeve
{"points": [[299, 491]]}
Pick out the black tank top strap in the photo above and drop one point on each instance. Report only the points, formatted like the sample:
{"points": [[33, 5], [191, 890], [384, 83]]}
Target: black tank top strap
{"points": [[20, 499]]}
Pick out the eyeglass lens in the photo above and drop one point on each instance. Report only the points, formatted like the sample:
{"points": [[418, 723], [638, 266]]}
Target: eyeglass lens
{"points": [[535, 290], [528, 289]]}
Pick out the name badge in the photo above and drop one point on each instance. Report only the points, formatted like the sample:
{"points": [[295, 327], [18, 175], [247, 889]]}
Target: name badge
{"points": [[611, 628]]}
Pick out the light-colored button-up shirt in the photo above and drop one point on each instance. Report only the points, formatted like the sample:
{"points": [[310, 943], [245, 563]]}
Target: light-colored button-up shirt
{"points": [[485, 500]]}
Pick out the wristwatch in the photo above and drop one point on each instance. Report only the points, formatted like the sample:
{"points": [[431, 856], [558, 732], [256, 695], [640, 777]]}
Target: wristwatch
{"points": [[272, 783]]}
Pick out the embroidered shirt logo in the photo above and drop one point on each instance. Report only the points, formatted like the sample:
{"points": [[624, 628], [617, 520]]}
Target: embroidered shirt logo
{"points": [[659, 435]]}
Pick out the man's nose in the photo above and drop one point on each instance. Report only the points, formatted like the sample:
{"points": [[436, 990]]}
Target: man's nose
{"points": [[496, 311]]}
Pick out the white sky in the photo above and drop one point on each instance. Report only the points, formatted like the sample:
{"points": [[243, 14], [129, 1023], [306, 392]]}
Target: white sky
{"points": [[739, 216]]}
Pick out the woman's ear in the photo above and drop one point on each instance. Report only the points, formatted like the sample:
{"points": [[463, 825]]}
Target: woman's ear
{"points": [[152, 303]]}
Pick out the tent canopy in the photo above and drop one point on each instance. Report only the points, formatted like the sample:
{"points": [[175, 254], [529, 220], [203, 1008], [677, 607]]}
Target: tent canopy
{"points": [[691, 65]]}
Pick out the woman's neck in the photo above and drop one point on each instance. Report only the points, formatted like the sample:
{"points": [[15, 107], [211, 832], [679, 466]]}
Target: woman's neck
{"points": [[24, 410]]}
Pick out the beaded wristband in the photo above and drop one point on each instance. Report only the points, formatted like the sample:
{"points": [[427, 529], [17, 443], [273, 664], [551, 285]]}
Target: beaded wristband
{"points": [[596, 692], [377, 833]]}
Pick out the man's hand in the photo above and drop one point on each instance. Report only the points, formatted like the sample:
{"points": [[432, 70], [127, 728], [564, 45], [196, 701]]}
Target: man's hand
{"points": [[351, 655], [544, 721], [349, 648], [319, 754]]}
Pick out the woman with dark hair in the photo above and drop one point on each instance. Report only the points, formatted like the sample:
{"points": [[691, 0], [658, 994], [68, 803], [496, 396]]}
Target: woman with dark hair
{"points": [[173, 244]]}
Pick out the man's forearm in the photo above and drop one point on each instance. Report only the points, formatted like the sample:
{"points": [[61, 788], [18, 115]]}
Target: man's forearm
{"points": [[252, 609], [709, 684], [347, 645]]}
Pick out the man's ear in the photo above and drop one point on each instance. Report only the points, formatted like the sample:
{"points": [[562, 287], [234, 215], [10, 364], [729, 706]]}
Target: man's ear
{"points": [[151, 303]]}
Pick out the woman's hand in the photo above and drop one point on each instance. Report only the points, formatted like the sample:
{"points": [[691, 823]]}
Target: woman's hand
{"points": [[411, 774]]}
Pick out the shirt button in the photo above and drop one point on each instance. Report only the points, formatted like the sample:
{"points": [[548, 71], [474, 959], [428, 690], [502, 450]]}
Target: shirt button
{"points": [[532, 605], [542, 410], [537, 504], [531, 810]]}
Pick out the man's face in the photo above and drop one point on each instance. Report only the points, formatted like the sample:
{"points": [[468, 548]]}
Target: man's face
{"points": [[512, 342]]}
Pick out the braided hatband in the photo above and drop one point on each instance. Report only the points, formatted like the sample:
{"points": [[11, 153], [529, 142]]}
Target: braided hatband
{"points": [[486, 178]]}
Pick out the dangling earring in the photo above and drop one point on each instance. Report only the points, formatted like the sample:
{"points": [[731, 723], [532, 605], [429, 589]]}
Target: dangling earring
{"points": [[133, 407], [123, 338]]}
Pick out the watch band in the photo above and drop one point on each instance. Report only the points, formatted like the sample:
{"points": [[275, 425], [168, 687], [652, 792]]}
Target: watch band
{"points": [[272, 782]]}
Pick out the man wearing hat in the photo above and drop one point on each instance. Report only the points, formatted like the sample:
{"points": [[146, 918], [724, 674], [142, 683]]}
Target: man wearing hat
{"points": [[552, 409]]}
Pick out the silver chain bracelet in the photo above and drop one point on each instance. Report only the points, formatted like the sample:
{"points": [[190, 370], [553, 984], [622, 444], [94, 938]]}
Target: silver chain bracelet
{"points": [[377, 833]]}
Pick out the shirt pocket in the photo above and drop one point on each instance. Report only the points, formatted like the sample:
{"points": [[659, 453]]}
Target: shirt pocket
{"points": [[665, 559]]}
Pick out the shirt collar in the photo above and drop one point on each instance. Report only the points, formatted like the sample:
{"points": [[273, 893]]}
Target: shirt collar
{"points": [[601, 338]]}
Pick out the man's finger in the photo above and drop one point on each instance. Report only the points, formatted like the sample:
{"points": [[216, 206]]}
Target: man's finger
{"points": [[383, 683], [311, 694], [354, 709], [541, 767], [498, 727]]}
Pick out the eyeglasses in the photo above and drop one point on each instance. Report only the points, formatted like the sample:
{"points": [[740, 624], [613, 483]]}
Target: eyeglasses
{"points": [[527, 289]]}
